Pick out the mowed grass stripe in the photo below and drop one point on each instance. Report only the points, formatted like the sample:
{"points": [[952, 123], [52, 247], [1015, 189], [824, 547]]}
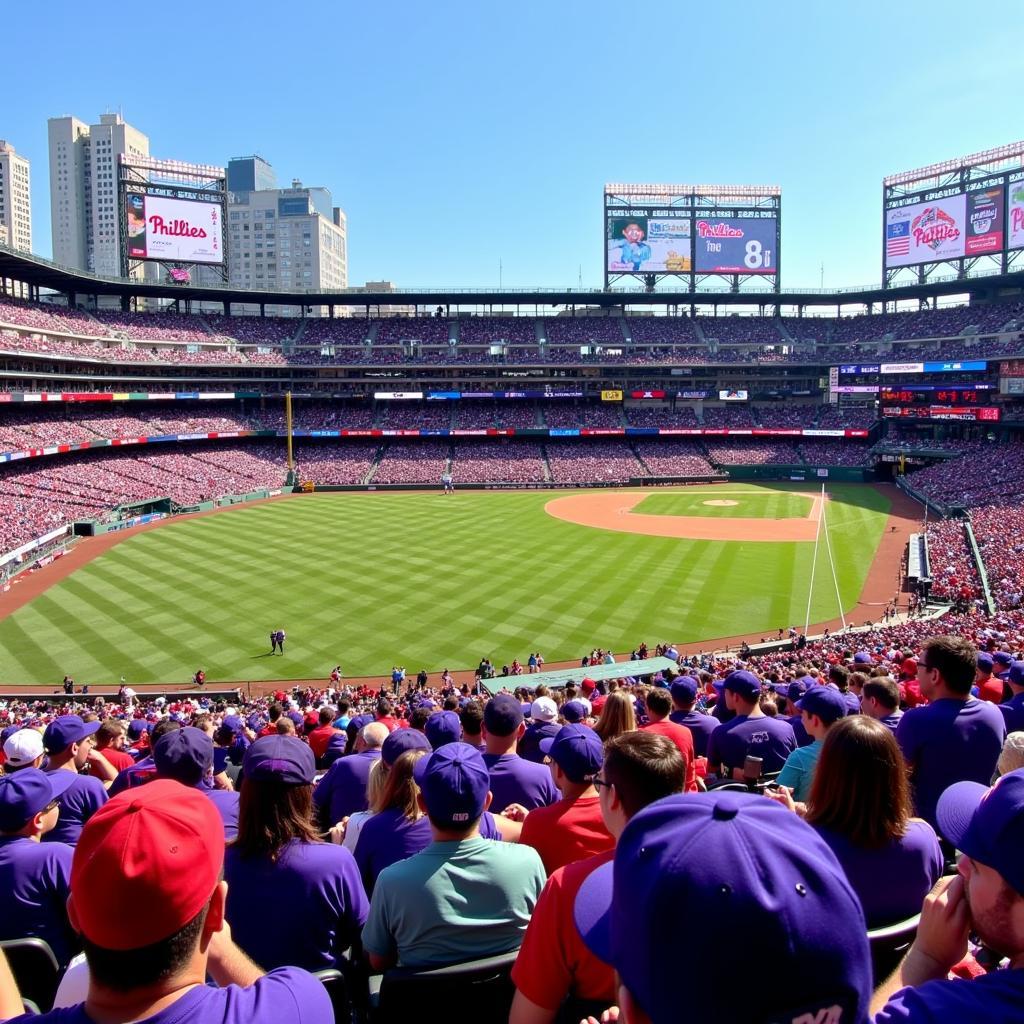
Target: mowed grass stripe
{"points": [[422, 580]]}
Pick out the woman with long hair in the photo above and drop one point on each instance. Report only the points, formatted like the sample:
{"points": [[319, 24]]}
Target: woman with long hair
{"points": [[860, 804], [292, 898], [617, 716]]}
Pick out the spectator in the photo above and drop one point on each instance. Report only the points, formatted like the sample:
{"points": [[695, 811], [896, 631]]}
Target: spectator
{"points": [[144, 770], [69, 742], [34, 876], [444, 727], [462, 897], [23, 749], [659, 706], [110, 744], [990, 687], [684, 691], [543, 726], [1013, 709], [955, 737], [881, 701], [739, 866], [821, 707], [342, 791], [319, 901], [1012, 756], [573, 827], [791, 694], [618, 716], [472, 718], [156, 850], [985, 898], [553, 963], [320, 737], [514, 780]]}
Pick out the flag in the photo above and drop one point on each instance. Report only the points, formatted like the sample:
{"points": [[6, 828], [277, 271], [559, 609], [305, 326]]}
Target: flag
{"points": [[897, 239]]}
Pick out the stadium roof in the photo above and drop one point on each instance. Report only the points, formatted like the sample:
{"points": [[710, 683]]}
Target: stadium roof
{"points": [[44, 274]]}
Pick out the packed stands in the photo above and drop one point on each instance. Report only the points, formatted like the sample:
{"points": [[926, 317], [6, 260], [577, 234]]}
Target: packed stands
{"points": [[417, 462], [673, 458], [611, 461], [505, 461]]}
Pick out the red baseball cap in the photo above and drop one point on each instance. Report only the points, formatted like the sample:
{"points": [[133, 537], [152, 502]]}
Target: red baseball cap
{"points": [[157, 849]]}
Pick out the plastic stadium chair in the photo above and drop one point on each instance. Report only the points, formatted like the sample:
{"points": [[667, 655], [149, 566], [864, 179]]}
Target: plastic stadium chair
{"points": [[475, 992], [337, 988], [889, 945], [35, 969]]}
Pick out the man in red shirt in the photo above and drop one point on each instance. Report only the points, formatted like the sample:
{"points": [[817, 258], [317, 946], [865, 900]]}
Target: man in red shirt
{"points": [[320, 737], [110, 743], [572, 828], [553, 962], [384, 715], [659, 707], [990, 687]]}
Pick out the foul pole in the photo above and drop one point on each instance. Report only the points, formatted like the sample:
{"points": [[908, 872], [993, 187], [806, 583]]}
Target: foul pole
{"points": [[814, 564], [288, 429]]}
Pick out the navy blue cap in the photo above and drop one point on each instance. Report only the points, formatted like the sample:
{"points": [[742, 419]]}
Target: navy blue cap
{"points": [[684, 690], [25, 793], [400, 741], [185, 755], [1016, 674], [503, 714], [985, 662], [744, 684], [574, 711], [454, 782], [65, 730], [577, 750], [280, 759], [444, 727], [824, 701]]}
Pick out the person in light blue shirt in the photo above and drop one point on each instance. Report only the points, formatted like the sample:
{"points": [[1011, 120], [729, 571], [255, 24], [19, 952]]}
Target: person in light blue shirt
{"points": [[633, 249], [820, 707]]}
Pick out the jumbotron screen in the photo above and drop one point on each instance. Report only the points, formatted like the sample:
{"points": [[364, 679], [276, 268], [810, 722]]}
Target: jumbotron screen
{"points": [[174, 230]]}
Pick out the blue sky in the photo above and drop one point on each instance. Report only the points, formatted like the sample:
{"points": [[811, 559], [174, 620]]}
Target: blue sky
{"points": [[457, 135]]}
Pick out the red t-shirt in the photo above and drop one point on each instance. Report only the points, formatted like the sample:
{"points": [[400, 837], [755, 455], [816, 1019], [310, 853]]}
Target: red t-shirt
{"points": [[118, 758], [390, 722], [991, 690], [553, 961], [683, 739], [567, 831], [319, 738]]}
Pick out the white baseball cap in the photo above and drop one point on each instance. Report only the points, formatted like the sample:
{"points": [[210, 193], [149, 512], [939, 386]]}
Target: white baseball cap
{"points": [[544, 709], [23, 747]]}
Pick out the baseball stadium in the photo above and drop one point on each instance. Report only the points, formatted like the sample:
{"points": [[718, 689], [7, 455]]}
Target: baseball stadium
{"points": [[458, 613]]}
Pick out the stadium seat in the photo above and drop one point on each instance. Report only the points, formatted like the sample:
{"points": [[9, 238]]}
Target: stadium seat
{"points": [[474, 992], [35, 969], [338, 989], [889, 945]]}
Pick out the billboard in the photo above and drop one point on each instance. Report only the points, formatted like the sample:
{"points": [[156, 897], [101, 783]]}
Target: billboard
{"points": [[647, 242], [735, 245], [175, 230], [1015, 211], [925, 232]]}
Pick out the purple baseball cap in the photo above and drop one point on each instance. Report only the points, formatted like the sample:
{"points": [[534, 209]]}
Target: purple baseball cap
{"points": [[455, 782], [684, 690], [24, 793], [577, 750], [987, 824], [744, 684], [65, 730], [741, 865], [280, 759], [136, 727], [985, 662], [400, 741], [360, 722], [184, 755], [863, 658], [1003, 658], [444, 727], [824, 701], [503, 714], [574, 712], [1016, 674]]}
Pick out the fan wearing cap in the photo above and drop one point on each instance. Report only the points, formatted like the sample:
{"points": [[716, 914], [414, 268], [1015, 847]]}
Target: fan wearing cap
{"points": [[792, 692], [1013, 709], [186, 756], [144, 770], [684, 692], [990, 687], [572, 828], [513, 779], [985, 898], [659, 706], [319, 900], [739, 865], [443, 727], [148, 851], [821, 707], [751, 733], [553, 963], [342, 790], [69, 742], [23, 749], [462, 897], [955, 737], [35, 877], [320, 737], [543, 725], [398, 827]]}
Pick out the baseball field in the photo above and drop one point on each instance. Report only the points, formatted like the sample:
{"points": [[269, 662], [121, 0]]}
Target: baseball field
{"points": [[368, 580]]}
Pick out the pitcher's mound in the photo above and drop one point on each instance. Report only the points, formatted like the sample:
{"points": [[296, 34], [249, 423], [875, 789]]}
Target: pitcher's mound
{"points": [[719, 502]]}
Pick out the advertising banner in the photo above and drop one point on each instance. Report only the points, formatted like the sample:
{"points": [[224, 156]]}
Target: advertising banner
{"points": [[925, 232], [182, 230], [984, 221], [736, 245], [1015, 214], [659, 244]]}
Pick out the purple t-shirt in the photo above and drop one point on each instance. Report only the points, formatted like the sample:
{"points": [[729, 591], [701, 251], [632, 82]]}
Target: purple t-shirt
{"points": [[991, 997], [1013, 713], [701, 727], [319, 904], [226, 802], [389, 836], [78, 804], [949, 741], [529, 742], [285, 995], [770, 739], [140, 773], [892, 721], [515, 780], [892, 881], [342, 791], [35, 880], [803, 737]]}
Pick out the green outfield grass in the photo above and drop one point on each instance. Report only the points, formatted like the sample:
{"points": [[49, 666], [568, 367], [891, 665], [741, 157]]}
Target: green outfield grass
{"points": [[424, 580], [760, 504]]}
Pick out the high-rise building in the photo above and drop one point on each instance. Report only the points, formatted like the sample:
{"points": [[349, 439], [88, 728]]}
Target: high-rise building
{"points": [[283, 237], [83, 190], [15, 199], [250, 174]]}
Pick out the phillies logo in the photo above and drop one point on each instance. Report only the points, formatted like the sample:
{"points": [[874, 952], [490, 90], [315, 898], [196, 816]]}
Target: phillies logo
{"points": [[1016, 218], [179, 228], [933, 226], [706, 230]]}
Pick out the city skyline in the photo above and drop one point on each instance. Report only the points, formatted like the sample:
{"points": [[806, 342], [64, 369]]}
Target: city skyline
{"points": [[467, 148]]}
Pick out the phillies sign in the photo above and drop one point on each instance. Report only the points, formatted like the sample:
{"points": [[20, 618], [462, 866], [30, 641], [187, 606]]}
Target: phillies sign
{"points": [[176, 230]]}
